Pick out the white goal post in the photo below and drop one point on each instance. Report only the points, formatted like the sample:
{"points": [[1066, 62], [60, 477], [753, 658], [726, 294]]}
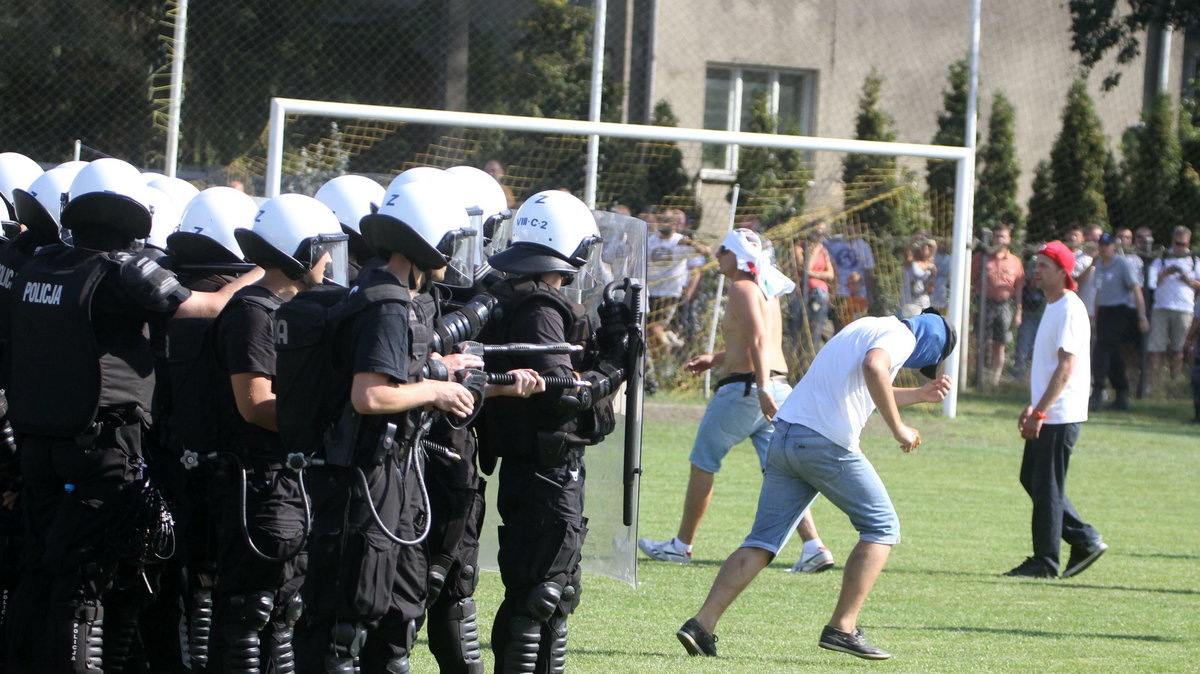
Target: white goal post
{"points": [[964, 159]]}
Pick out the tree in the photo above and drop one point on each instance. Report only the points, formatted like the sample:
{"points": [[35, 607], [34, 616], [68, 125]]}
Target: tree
{"points": [[951, 130], [1152, 178], [1077, 161], [996, 199], [1096, 27], [774, 179], [867, 177], [1187, 195], [1041, 224]]}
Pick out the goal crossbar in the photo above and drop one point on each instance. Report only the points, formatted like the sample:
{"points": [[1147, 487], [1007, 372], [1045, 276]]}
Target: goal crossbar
{"points": [[964, 159]]}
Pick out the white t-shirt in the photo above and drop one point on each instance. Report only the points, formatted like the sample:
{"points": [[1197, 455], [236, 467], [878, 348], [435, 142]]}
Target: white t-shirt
{"points": [[1064, 326], [832, 398], [1174, 293], [667, 265]]}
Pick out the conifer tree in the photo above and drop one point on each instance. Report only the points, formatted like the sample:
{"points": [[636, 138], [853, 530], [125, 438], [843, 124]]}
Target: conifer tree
{"points": [[1041, 224], [951, 130], [1077, 161], [867, 176], [996, 198], [1153, 173], [776, 177]]}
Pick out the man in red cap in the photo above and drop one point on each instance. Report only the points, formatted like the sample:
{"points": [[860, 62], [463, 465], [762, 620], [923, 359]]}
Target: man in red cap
{"points": [[1059, 381]]}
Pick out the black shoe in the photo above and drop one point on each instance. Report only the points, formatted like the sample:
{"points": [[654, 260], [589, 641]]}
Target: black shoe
{"points": [[1121, 403], [696, 639], [1031, 568], [853, 643], [1083, 557], [1095, 402]]}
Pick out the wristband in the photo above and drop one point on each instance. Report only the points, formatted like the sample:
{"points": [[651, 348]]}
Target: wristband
{"points": [[762, 391], [1040, 416]]}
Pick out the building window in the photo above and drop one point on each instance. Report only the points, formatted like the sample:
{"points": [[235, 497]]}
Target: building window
{"points": [[729, 95]]}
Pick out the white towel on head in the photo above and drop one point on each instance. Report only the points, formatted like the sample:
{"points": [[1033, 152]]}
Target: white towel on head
{"points": [[746, 246]]}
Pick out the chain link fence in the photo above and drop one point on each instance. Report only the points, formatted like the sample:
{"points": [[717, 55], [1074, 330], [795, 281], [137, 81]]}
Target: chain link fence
{"points": [[98, 71]]}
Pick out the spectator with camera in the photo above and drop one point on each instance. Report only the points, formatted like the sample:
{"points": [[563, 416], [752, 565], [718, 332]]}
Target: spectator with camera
{"points": [[1174, 277]]}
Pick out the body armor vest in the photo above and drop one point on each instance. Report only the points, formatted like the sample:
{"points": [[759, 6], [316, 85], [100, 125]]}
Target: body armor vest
{"points": [[61, 374]]}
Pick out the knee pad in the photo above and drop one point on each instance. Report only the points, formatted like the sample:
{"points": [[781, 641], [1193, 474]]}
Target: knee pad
{"points": [[543, 600], [252, 611], [348, 639], [439, 568], [291, 612]]}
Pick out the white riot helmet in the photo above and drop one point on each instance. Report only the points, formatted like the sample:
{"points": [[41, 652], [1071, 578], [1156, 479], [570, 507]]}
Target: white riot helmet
{"points": [[165, 215], [553, 231], [427, 223], [351, 197], [181, 191], [16, 172], [40, 207], [417, 173], [206, 229], [292, 233], [484, 192], [110, 194]]}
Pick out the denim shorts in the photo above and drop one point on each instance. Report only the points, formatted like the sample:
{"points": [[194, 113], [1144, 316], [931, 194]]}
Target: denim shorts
{"points": [[803, 463], [731, 417]]}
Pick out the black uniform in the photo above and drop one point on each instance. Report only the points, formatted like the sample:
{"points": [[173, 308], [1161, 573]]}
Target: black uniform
{"points": [[82, 379], [372, 590], [254, 594], [188, 379], [541, 484]]}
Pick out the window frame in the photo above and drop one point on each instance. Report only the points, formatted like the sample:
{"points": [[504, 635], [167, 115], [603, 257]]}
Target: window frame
{"points": [[733, 112]]}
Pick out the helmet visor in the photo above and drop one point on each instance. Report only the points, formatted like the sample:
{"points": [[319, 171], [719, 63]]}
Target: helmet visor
{"points": [[331, 252], [464, 252], [592, 273]]}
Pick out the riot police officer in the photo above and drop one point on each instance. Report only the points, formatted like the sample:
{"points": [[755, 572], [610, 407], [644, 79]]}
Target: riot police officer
{"points": [[370, 518], [261, 561], [541, 440], [82, 379]]}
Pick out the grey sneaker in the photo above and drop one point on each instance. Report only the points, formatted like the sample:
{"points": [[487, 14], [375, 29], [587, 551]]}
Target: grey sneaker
{"points": [[821, 560], [664, 551], [853, 643], [697, 640], [1082, 558]]}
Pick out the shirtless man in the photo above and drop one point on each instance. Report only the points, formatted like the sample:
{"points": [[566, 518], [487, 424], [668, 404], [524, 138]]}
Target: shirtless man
{"points": [[746, 399]]}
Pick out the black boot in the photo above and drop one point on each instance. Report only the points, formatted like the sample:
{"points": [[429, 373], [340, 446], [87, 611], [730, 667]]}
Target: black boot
{"points": [[1122, 400]]}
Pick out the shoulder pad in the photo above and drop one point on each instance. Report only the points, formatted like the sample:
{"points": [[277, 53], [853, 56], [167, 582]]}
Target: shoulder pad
{"points": [[150, 284]]}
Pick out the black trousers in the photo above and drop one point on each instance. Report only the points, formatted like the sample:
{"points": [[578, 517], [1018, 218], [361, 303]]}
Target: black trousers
{"points": [[274, 514], [541, 540], [361, 576], [71, 505], [1115, 326], [456, 501], [1044, 477]]}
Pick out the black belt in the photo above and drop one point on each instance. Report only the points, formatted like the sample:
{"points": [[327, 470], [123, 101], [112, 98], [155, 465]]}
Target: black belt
{"points": [[747, 378]]}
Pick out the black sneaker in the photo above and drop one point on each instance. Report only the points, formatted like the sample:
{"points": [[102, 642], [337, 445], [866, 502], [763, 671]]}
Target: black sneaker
{"points": [[696, 639], [1083, 557], [853, 643], [1031, 568]]}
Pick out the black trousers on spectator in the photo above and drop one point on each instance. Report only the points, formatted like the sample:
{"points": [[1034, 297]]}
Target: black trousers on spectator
{"points": [[1044, 476], [1115, 326]]}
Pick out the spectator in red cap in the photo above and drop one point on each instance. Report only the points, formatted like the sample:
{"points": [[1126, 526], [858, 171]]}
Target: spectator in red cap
{"points": [[1059, 381]]}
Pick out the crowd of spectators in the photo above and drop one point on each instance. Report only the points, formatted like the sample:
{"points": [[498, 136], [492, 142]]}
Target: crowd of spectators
{"points": [[1139, 296]]}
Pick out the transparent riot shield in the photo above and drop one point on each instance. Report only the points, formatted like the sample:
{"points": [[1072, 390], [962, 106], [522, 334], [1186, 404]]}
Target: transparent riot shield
{"points": [[610, 497]]}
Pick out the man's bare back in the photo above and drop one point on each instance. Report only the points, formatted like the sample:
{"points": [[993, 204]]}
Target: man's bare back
{"points": [[745, 297]]}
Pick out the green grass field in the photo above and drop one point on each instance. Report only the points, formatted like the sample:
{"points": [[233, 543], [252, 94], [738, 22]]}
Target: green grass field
{"points": [[940, 605]]}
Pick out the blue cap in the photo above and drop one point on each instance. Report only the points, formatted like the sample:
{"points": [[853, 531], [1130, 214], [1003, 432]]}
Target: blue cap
{"points": [[1107, 238], [935, 341]]}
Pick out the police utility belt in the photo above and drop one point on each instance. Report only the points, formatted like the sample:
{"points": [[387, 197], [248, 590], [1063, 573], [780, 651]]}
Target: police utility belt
{"points": [[747, 379], [111, 418]]}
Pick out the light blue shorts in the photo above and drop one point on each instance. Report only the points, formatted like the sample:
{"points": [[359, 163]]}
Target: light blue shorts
{"points": [[731, 417], [802, 463]]}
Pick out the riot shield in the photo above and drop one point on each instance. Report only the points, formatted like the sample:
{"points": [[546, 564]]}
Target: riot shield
{"points": [[613, 466]]}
